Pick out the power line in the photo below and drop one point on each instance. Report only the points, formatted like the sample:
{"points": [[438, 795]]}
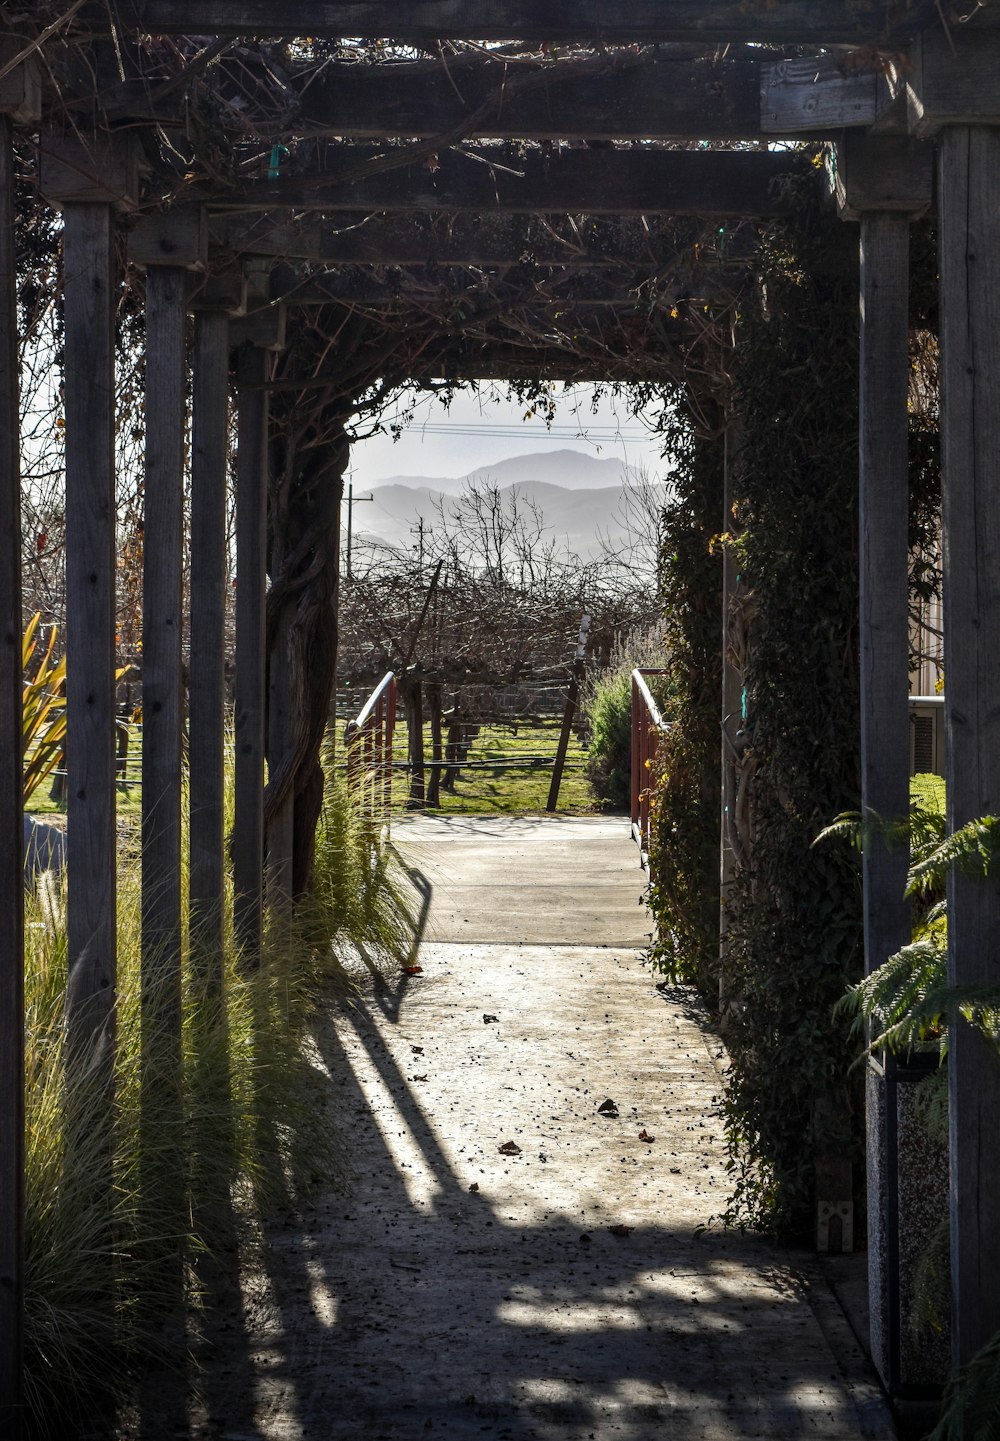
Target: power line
{"points": [[549, 433]]}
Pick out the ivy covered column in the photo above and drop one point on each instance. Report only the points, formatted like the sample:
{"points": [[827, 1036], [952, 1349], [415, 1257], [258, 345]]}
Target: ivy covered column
{"points": [[883, 181]]}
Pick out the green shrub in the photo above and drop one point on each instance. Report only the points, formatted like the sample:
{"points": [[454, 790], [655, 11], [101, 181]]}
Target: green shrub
{"points": [[607, 705]]}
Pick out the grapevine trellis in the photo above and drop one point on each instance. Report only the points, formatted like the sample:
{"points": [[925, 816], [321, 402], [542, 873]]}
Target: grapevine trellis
{"points": [[520, 192]]}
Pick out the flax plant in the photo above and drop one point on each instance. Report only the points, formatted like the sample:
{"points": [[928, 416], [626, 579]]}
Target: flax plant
{"points": [[195, 1183]]}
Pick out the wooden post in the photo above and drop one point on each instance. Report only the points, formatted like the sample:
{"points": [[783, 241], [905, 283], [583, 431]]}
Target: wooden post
{"points": [[12, 849], [568, 713], [732, 708], [883, 181], [162, 624], [413, 696], [251, 661], [206, 685], [969, 210], [883, 511], [885, 791], [435, 692], [89, 291]]}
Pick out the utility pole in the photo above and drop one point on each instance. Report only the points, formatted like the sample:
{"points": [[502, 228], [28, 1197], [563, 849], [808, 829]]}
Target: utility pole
{"points": [[418, 531], [350, 520]]}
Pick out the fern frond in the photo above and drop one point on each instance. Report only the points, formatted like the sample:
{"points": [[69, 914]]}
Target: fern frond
{"points": [[972, 1401], [862, 830], [971, 848]]}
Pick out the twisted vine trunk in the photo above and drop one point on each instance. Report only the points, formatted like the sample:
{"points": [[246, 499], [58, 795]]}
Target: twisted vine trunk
{"points": [[304, 543]]}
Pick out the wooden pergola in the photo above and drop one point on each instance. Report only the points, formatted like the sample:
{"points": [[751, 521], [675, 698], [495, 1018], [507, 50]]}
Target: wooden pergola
{"points": [[376, 184]]}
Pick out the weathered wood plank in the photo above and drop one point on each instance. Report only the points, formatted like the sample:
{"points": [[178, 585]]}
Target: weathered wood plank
{"points": [[103, 166], [21, 84], [555, 290], [630, 99], [969, 209], [206, 685], [251, 667], [177, 237], [886, 172], [360, 239], [593, 182], [884, 635], [162, 689], [815, 95], [952, 80], [11, 851], [849, 22], [89, 296]]}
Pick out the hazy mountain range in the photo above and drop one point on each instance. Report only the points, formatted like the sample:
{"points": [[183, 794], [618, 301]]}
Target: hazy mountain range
{"points": [[581, 498]]}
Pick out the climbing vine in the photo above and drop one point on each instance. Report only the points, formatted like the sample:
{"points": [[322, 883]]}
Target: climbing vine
{"points": [[684, 893], [793, 912]]}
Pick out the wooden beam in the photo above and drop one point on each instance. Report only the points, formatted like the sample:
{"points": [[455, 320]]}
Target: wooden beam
{"points": [[12, 849], [444, 290], [20, 82], [206, 685], [952, 80], [577, 181], [885, 173], [102, 167], [847, 22], [175, 237], [474, 360], [628, 98], [162, 689], [595, 242], [251, 666], [89, 299], [816, 95], [969, 218]]}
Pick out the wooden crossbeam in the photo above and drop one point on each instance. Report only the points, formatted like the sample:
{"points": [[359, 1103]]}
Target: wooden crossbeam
{"points": [[463, 240], [669, 99], [436, 290], [566, 181], [848, 22], [536, 361]]}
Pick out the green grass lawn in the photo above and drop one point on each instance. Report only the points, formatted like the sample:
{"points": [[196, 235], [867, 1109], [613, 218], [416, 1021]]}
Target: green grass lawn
{"points": [[506, 773]]}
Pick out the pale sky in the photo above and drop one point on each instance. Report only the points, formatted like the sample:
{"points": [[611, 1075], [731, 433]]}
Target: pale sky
{"points": [[477, 431]]}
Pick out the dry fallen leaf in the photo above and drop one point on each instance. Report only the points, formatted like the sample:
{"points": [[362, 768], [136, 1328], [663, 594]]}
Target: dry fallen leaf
{"points": [[621, 1230], [510, 1148], [474, 1186], [645, 1136]]}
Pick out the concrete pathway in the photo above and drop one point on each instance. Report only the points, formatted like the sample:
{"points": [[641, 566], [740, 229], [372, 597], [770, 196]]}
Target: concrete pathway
{"points": [[512, 1263]]}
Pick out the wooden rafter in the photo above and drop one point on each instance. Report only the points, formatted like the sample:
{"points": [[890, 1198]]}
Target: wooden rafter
{"points": [[573, 181], [598, 242], [555, 289], [637, 99], [847, 22]]}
